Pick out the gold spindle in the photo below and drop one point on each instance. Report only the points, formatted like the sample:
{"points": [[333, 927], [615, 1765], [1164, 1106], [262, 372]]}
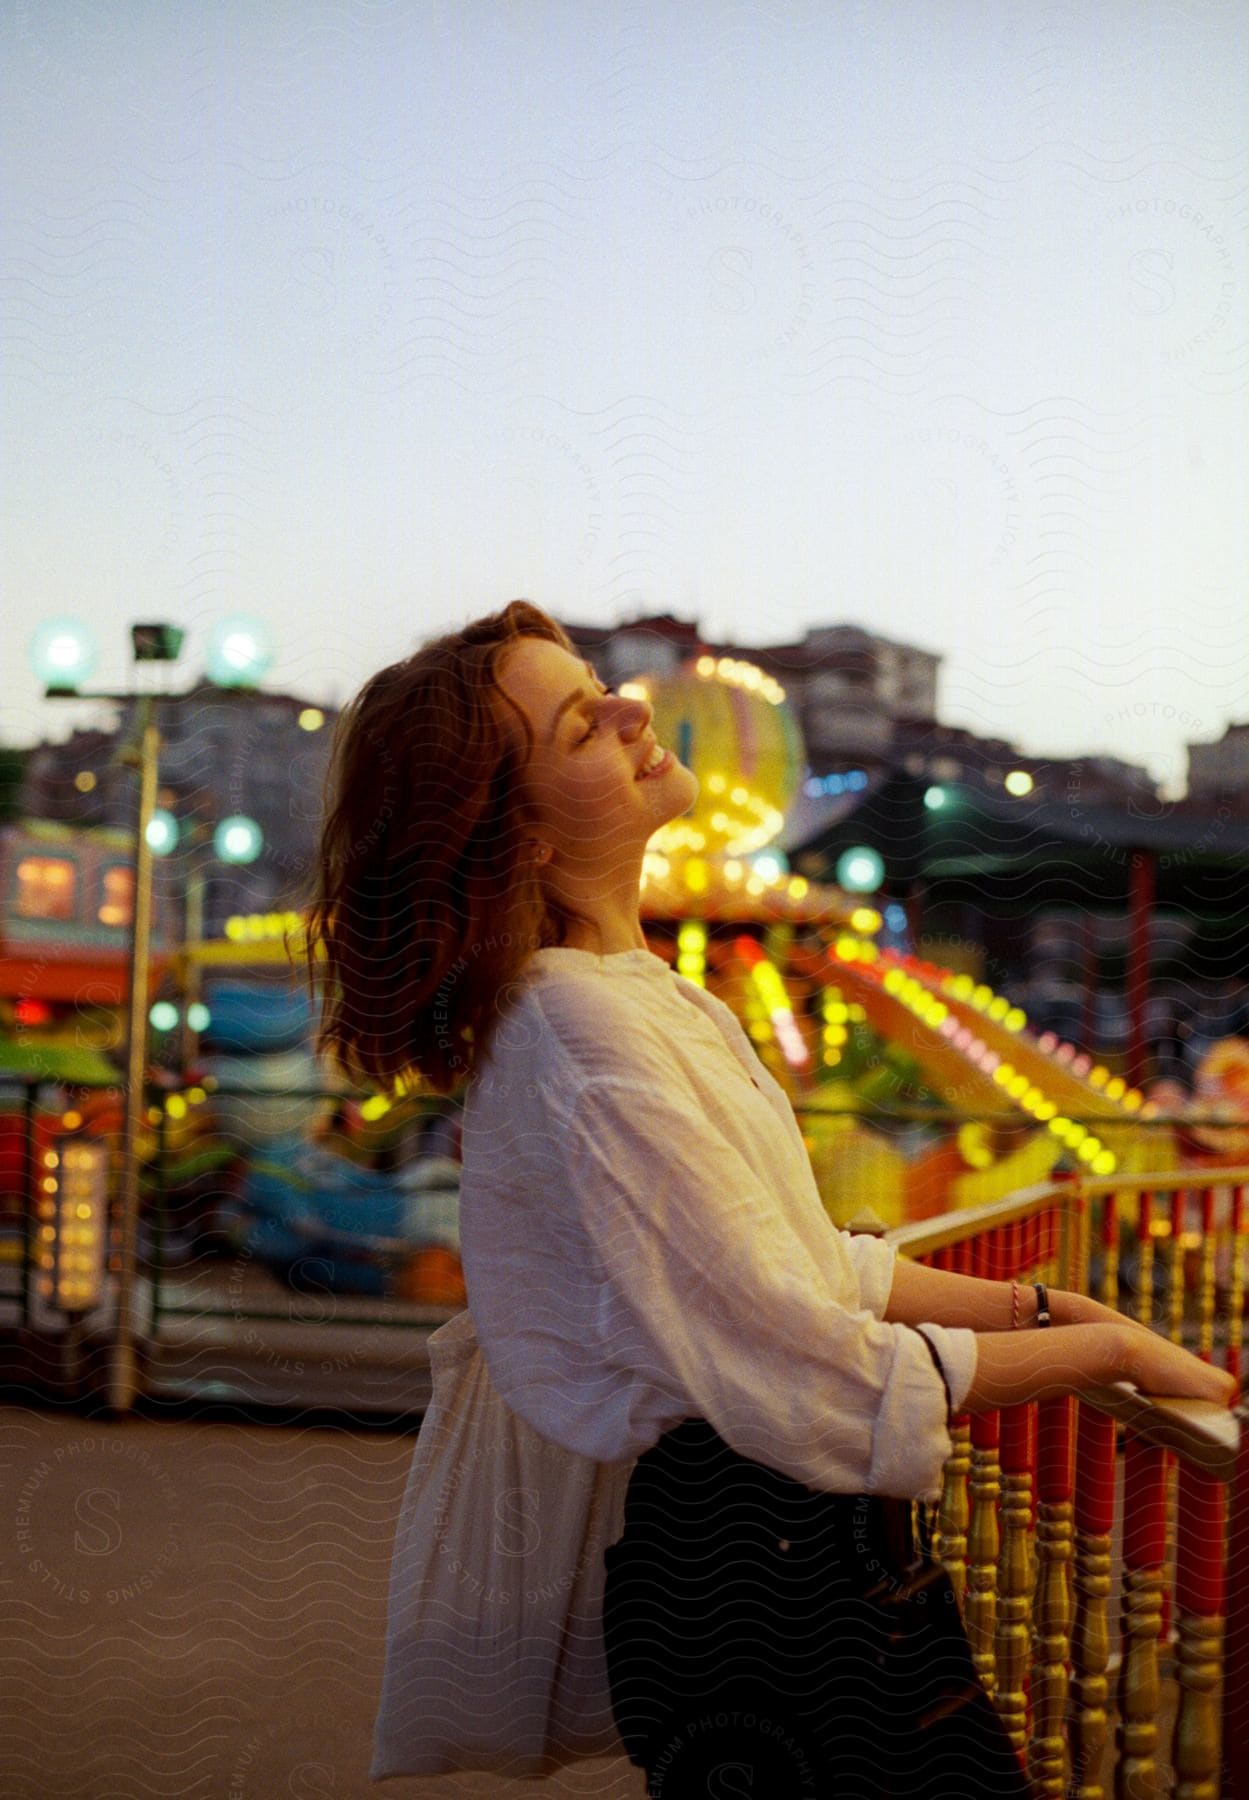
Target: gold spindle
{"points": [[982, 1546], [1090, 1689], [1047, 1757], [1200, 1596], [1199, 1652], [951, 1544], [1014, 1613], [1144, 1544]]}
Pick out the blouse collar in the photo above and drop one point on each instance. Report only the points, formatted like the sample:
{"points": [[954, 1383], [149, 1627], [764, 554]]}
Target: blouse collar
{"points": [[616, 962]]}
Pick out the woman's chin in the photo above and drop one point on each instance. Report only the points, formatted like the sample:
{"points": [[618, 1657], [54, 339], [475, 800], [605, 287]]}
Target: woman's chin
{"points": [[681, 790]]}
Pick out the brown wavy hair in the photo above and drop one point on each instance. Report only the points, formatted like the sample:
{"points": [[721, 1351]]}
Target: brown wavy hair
{"points": [[426, 906]]}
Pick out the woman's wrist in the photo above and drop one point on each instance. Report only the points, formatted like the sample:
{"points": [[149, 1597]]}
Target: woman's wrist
{"points": [[1066, 1308], [1081, 1309], [1025, 1304]]}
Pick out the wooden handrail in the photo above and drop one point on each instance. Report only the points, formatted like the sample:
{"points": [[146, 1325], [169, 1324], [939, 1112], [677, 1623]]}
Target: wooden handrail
{"points": [[927, 1235], [1165, 1181], [1204, 1435]]}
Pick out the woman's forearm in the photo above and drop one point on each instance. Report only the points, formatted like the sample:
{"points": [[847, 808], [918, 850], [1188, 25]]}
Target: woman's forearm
{"points": [[1012, 1367], [1089, 1346], [939, 1297]]}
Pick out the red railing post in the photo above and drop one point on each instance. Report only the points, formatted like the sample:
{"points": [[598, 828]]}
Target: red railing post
{"points": [[1236, 1661], [1206, 1278], [1236, 1291]]}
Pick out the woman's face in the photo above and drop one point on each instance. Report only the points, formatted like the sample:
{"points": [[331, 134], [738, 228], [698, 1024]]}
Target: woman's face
{"points": [[585, 785]]}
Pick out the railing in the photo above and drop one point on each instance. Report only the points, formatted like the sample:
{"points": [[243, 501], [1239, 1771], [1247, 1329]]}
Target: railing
{"points": [[1026, 1526], [441, 1294]]}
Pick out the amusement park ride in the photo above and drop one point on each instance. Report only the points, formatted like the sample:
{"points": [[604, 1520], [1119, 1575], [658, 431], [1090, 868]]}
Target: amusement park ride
{"points": [[918, 1088]]}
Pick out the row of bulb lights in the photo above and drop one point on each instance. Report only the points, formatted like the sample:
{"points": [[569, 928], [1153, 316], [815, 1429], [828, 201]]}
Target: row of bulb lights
{"points": [[695, 872], [72, 1229], [933, 1012], [741, 674]]}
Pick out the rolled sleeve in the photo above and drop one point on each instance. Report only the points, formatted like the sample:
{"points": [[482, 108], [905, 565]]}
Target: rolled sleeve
{"points": [[715, 1298], [956, 1347], [874, 1261]]}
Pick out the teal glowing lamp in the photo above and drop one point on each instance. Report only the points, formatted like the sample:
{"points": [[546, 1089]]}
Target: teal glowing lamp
{"points": [[198, 1016], [163, 1016], [860, 871], [935, 798], [238, 839], [162, 832], [239, 652], [63, 654]]}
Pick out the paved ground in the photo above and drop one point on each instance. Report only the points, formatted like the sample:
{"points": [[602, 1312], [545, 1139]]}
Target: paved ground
{"points": [[197, 1610]]}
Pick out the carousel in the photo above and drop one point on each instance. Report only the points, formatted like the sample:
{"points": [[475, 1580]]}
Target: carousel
{"points": [[919, 1089]]}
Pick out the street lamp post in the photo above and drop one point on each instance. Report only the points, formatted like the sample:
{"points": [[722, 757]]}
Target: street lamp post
{"points": [[64, 656], [123, 1379]]}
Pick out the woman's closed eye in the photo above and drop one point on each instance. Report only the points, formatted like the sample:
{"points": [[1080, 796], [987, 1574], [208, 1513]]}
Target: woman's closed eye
{"points": [[594, 722]]}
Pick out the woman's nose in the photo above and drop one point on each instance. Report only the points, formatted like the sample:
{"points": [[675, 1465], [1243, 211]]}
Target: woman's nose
{"points": [[645, 712], [635, 715]]}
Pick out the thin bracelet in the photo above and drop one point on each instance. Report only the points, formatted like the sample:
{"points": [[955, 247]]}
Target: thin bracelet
{"points": [[1014, 1306], [1042, 1304]]}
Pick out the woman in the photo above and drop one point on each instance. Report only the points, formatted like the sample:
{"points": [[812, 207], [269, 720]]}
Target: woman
{"points": [[648, 1264]]}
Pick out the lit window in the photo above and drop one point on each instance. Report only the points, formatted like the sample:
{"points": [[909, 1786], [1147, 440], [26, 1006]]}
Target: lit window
{"points": [[117, 897], [46, 888]]}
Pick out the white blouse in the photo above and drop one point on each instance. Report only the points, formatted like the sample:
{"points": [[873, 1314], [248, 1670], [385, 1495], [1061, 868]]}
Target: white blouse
{"points": [[643, 1241]]}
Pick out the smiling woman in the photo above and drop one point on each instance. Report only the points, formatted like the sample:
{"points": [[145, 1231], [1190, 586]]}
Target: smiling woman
{"points": [[485, 798], [598, 787], [751, 1398]]}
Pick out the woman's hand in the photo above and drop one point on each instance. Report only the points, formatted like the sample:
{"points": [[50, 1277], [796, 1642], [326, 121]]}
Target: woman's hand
{"points": [[1013, 1366], [1156, 1365], [1160, 1368]]}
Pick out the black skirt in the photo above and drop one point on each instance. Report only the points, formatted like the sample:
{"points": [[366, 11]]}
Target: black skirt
{"points": [[764, 1638]]}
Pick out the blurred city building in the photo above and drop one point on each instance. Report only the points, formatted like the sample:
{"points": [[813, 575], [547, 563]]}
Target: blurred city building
{"points": [[1220, 770], [863, 702], [223, 752]]}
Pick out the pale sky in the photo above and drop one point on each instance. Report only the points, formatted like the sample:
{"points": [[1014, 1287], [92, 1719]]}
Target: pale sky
{"points": [[366, 316]]}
